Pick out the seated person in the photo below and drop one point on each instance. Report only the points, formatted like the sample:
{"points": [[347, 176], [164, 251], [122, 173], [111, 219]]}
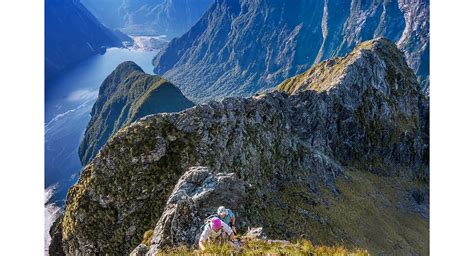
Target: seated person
{"points": [[214, 229]]}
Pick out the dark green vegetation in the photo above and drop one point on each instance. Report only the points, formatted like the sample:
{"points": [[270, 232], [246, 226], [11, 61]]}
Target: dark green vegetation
{"points": [[72, 34], [341, 162], [239, 48], [126, 95]]}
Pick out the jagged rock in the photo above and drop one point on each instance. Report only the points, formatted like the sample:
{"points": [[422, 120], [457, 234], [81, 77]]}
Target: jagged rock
{"points": [[141, 250], [55, 247], [415, 40], [335, 165], [197, 195], [343, 84], [255, 233]]}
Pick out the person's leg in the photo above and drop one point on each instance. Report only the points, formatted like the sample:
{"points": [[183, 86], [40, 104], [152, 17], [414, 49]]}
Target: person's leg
{"points": [[223, 238]]}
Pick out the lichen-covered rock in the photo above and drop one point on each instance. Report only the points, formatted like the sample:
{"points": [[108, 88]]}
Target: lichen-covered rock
{"points": [[197, 195], [141, 250], [255, 233], [366, 89], [334, 163]]}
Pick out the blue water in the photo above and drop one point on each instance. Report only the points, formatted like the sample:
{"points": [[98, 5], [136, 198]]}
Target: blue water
{"points": [[68, 102]]}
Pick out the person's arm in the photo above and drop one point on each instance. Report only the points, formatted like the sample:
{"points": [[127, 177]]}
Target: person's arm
{"points": [[203, 238], [228, 231], [232, 220], [201, 245]]}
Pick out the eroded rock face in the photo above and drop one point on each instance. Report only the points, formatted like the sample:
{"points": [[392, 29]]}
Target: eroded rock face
{"points": [[196, 196], [415, 40], [55, 247], [302, 155], [141, 250], [370, 81]]}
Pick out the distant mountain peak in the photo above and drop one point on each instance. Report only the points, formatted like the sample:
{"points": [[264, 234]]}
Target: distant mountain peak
{"points": [[385, 59], [128, 65], [126, 95]]}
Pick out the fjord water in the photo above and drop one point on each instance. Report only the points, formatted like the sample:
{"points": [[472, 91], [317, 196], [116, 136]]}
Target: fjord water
{"points": [[69, 98]]}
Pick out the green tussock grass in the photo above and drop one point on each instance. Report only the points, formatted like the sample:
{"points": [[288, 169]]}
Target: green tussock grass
{"points": [[364, 214], [147, 237], [260, 247]]}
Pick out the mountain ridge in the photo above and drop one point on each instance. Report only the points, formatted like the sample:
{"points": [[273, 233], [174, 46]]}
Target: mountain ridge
{"points": [[316, 77], [305, 157], [126, 95]]}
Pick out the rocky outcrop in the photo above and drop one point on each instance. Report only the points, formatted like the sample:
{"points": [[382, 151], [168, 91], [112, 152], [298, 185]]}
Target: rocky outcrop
{"points": [[141, 250], [72, 34], [387, 68], [51, 213], [126, 95], [149, 17], [239, 48], [334, 163], [197, 195], [55, 247]]}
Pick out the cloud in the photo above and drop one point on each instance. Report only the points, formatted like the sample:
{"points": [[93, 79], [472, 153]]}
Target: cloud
{"points": [[81, 95]]}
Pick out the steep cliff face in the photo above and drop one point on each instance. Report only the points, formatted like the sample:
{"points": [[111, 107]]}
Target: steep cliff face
{"points": [[72, 34], [338, 163], [126, 95], [239, 48], [149, 17], [415, 38]]}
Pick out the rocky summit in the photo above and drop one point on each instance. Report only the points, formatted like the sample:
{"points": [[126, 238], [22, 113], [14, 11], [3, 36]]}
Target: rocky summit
{"points": [[239, 48], [126, 95], [336, 155]]}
